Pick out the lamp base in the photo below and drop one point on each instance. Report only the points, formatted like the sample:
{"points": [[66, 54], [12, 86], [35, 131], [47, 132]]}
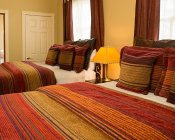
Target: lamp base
{"points": [[106, 79], [105, 73]]}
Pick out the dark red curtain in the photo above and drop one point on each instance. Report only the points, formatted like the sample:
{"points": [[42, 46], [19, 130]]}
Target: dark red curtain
{"points": [[67, 19], [147, 19], [97, 22]]}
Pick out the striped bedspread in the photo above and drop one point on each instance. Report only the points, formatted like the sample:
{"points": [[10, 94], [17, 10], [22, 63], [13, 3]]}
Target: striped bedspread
{"points": [[83, 111], [23, 76]]}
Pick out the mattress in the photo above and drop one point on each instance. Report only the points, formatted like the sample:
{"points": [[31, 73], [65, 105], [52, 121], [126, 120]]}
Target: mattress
{"points": [[64, 76], [150, 96]]}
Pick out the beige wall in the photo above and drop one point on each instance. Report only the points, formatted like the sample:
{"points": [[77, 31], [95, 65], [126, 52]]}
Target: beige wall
{"points": [[15, 8], [119, 16], [1, 33]]}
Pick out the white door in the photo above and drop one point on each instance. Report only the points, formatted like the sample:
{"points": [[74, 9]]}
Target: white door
{"points": [[39, 37]]}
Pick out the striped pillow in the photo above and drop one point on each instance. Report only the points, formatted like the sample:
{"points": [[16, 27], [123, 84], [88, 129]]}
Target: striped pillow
{"points": [[90, 44], [164, 84], [79, 58], [66, 57], [171, 96], [158, 65], [51, 58], [135, 73], [168, 78]]}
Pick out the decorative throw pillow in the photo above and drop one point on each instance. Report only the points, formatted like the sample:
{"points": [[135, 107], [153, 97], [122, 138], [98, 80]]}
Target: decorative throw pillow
{"points": [[143, 42], [136, 72], [86, 42], [168, 77], [171, 96], [79, 58], [158, 65], [52, 55], [66, 58], [163, 84]]}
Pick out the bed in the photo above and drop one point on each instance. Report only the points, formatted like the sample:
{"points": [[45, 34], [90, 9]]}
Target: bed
{"points": [[83, 111], [64, 76], [24, 76], [28, 76]]}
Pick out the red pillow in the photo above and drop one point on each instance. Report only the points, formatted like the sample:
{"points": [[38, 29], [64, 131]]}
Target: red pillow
{"points": [[136, 69], [164, 82], [79, 58], [52, 55], [158, 65], [171, 94], [66, 57]]}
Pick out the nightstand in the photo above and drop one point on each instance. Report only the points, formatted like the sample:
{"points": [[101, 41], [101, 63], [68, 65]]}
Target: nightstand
{"points": [[95, 81]]}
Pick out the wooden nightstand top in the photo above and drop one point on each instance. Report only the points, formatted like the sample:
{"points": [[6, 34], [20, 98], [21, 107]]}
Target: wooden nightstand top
{"points": [[95, 81]]}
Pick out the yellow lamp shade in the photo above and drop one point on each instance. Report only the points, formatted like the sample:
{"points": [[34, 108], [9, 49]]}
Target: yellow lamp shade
{"points": [[106, 55]]}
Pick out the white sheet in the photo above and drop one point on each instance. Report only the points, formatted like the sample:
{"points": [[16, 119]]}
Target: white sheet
{"points": [[64, 76], [150, 96]]}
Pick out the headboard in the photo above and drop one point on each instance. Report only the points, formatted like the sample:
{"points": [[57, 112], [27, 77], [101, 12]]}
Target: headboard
{"points": [[154, 44]]}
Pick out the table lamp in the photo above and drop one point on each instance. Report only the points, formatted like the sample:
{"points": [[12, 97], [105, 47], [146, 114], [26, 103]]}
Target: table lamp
{"points": [[105, 56]]}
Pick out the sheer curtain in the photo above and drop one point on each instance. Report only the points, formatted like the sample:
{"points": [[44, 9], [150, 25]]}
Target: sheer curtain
{"points": [[81, 19], [167, 19]]}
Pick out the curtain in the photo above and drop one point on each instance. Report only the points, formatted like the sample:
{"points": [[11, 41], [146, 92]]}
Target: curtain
{"points": [[97, 22], [167, 19], [81, 19], [67, 19], [147, 18]]}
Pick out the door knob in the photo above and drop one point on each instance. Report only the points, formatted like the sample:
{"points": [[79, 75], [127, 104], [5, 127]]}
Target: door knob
{"points": [[28, 58]]}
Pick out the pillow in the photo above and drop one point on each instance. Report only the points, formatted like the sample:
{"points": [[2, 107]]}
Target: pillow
{"points": [[158, 65], [66, 57], [136, 72], [90, 43], [163, 83], [164, 43], [171, 96], [68, 42], [167, 80], [143, 42], [52, 55], [79, 58]]}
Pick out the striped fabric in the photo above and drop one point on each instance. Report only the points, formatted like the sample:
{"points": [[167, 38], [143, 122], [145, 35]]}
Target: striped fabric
{"points": [[158, 65], [171, 94], [82, 111], [165, 78], [168, 78], [135, 73], [66, 58], [53, 54], [23, 76], [51, 58], [79, 58], [90, 43]]}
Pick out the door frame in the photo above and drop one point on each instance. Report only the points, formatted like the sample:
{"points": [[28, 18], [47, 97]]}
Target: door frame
{"points": [[26, 13], [6, 34]]}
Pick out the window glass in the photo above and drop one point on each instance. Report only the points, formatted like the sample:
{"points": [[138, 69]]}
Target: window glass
{"points": [[81, 19], [167, 19]]}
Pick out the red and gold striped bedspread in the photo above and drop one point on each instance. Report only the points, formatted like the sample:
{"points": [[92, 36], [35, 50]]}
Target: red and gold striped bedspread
{"points": [[83, 111], [23, 76]]}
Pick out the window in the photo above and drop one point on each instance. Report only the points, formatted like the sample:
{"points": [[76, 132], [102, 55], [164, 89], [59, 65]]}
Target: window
{"points": [[167, 19], [81, 19]]}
